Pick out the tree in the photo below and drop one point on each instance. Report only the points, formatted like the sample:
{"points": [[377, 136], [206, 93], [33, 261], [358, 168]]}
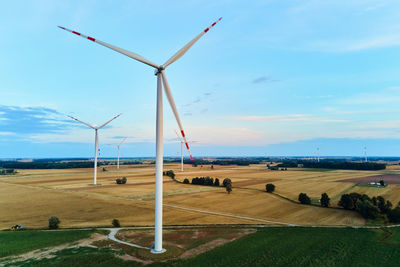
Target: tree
{"points": [[384, 206], [228, 188], [123, 180], [186, 181], [115, 223], [367, 209], [304, 199], [216, 182], [346, 202], [382, 182], [325, 200], [212, 167], [118, 181], [269, 188], [226, 181], [54, 222], [394, 215], [104, 169]]}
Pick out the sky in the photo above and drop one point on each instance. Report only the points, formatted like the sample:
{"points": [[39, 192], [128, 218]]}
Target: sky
{"points": [[272, 78]]}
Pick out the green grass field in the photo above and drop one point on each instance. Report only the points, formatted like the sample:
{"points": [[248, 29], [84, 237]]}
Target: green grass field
{"points": [[276, 246], [13, 243]]}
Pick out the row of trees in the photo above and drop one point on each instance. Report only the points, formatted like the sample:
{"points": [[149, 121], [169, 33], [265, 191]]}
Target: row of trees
{"points": [[324, 201], [209, 181], [370, 208], [223, 162], [169, 173], [7, 171], [333, 164]]}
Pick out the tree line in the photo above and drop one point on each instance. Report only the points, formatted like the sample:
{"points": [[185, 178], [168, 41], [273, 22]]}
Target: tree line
{"points": [[331, 164]]}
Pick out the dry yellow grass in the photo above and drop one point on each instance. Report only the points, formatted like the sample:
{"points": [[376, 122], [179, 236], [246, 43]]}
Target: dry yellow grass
{"points": [[32, 196]]}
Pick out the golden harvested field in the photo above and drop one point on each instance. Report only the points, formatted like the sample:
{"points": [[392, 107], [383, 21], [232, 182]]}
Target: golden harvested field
{"points": [[32, 196]]}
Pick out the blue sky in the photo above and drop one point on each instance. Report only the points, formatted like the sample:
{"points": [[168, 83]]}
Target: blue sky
{"points": [[272, 78]]}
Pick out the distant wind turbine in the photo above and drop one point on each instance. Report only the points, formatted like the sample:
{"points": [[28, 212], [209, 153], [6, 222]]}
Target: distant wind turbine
{"points": [[182, 142], [365, 154], [118, 148], [96, 141], [161, 81]]}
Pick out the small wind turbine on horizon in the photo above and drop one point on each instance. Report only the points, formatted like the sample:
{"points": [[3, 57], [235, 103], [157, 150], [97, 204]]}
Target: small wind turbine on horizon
{"points": [[118, 148], [96, 141], [317, 154], [161, 82], [365, 154], [182, 142]]}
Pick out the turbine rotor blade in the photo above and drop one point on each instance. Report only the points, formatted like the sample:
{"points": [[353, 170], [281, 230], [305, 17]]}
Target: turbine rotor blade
{"points": [[115, 48], [180, 139], [171, 101], [123, 140], [87, 124], [184, 49], [109, 121]]}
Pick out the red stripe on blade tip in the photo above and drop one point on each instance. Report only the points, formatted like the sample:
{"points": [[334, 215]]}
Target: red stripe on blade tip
{"points": [[183, 134], [187, 146], [77, 33], [91, 39], [206, 30], [61, 27], [213, 24], [191, 158]]}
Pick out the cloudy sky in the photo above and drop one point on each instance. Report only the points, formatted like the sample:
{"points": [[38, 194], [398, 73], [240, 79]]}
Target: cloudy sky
{"points": [[272, 78]]}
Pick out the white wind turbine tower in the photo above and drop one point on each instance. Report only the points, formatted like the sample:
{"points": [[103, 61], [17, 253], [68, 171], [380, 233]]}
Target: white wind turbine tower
{"points": [[118, 148], [182, 142], [317, 154], [161, 82], [96, 141], [365, 154]]}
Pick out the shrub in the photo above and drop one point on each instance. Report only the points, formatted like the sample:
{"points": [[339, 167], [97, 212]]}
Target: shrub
{"points": [[269, 188], [382, 182], [104, 169], [228, 188], [186, 181], [325, 200], [118, 181], [304, 199], [123, 180], [54, 222], [115, 223], [216, 182], [226, 181]]}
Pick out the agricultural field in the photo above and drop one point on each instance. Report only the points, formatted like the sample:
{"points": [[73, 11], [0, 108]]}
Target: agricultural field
{"points": [[30, 197], [224, 246]]}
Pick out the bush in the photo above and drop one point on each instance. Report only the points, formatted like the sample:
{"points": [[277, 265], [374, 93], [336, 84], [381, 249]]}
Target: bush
{"points": [[216, 182], [325, 200], [118, 181], [104, 169], [304, 199], [123, 180], [54, 222], [269, 188], [186, 181], [226, 181], [115, 223], [228, 188], [382, 182]]}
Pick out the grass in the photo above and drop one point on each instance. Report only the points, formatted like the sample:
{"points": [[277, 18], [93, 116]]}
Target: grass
{"points": [[13, 243]]}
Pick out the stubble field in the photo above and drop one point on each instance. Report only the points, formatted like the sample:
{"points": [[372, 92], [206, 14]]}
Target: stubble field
{"points": [[32, 196]]}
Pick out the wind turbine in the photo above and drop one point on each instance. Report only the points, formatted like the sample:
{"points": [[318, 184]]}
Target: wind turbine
{"points": [[365, 154], [161, 82], [96, 141], [317, 154], [118, 148], [182, 141]]}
